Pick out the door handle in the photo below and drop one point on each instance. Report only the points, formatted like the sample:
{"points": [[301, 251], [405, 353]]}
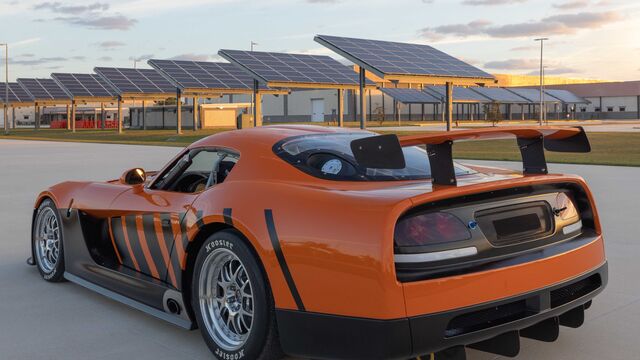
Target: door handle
{"points": [[166, 222]]}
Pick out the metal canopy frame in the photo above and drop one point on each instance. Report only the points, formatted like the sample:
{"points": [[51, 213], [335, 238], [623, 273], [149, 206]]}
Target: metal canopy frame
{"points": [[198, 92], [340, 87], [75, 99], [448, 81], [141, 95]]}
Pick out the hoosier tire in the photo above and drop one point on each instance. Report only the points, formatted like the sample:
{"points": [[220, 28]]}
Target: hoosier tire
{"points": [[232, 302], [46, 238]]}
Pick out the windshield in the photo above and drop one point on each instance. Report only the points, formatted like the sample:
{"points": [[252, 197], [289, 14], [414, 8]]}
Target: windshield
{"points": [[330, 156]]}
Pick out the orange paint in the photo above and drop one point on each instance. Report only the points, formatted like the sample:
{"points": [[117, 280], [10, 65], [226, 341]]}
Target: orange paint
{"points": [[336, 236], [157, 225]]}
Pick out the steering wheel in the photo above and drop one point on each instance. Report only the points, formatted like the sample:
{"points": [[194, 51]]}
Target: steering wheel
{"points": [[189, 182]]}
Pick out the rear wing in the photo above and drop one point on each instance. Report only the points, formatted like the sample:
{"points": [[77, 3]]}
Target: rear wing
{"points": [[385, 151]]}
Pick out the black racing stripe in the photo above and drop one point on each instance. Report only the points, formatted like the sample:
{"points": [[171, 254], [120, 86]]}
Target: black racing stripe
{"points": [[118, 236], [170, 240], [132, 231], [271, 227], [199, 219], [154, 245], [226, 214]]}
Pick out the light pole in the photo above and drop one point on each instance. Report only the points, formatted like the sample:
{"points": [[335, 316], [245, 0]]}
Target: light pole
{"points": [[6, 88], [542, 40]]}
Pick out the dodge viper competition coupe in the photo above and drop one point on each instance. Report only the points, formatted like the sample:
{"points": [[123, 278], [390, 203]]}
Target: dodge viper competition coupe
{"points": [[330, 243]]}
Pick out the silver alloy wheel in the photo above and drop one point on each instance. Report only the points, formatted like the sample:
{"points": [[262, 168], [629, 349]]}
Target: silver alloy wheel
{"points": [[226, 299], [47, 240]]}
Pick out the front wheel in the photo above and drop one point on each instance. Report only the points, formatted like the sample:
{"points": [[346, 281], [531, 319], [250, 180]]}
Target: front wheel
{"points": [[47, 242], [232, 302]]}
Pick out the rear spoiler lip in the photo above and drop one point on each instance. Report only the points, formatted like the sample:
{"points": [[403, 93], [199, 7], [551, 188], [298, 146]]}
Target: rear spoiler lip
{"points": [[385, 151], [494, 133]]}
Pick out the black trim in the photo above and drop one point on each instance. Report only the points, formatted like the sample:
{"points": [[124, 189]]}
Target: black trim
{"points": [[226, 214], [532, 152], [378, 152], [443, 170], [273, 235], [577, 143], [323, 336]]}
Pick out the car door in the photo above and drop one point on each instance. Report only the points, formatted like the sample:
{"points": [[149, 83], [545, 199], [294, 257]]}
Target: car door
{"points": [[148, 220]]}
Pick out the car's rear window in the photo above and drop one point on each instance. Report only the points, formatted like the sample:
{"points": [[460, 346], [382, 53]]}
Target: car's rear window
{"points": [[329, 156]]}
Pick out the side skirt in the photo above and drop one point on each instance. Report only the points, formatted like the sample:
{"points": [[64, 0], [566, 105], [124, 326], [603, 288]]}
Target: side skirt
{"points": [[174, 319]]}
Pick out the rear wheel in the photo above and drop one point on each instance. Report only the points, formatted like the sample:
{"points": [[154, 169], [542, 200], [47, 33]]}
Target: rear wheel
{"points": [[232, 302], [47, 242]]}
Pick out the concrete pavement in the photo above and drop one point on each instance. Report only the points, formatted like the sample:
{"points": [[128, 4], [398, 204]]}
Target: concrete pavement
{"points": [[39, 320]]}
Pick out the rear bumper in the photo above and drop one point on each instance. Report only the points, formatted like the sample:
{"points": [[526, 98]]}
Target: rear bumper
{"points": [[324, 336]]}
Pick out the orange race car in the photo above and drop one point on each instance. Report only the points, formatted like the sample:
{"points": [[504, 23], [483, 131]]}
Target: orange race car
{"points": [[337, 244]]}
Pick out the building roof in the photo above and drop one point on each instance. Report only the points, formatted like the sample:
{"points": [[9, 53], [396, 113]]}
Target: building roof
{"points": [[620, 88]]}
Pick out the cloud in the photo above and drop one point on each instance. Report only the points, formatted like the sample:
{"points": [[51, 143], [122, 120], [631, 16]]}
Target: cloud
{"points": [[195, 57], [29, 55], [115, 22], [556, 71], [570, 5], [25, 42], [79, 58], [105, 58], [552, 25], [38, 61], [60, 8], [491, 2], [523, 48], [512, 64], [110, 44], [93, 16], [141, 57]]}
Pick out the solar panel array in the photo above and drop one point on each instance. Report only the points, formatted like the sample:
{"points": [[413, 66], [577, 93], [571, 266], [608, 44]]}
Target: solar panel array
{"points": [[386, 57], [292, 68], [141, 81], [566, 96], [533, 95], [84, 85], [16, 93], [43, 89], [203, 75], [410, 96], [500, 95], [459, 94]]}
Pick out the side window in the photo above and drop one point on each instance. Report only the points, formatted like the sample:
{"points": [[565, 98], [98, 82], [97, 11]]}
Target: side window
{"points": [[196, 171]]}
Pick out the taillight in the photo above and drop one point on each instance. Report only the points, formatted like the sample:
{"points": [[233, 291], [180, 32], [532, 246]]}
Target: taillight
{"points": [[430, 228]]}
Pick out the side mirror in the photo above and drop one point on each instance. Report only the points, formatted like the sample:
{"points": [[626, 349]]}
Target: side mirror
{"points": [[135, 176]]}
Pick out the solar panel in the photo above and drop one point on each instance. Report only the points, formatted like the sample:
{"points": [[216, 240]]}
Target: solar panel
{"points": [[292, 68], [142, 81], [43, 89], [460, 94], [16, 93], [533, 95], [84, 85], [500, 95], [203, 75], [410, 96], [566, 96], [393, 58]]}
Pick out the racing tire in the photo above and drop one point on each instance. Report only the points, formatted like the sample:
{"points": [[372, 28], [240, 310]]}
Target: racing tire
{"points": [[47, 242], [232, 301]]}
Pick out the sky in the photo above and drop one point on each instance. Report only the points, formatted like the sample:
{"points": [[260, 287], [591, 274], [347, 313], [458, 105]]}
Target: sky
{"points": [[596, 39]]}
